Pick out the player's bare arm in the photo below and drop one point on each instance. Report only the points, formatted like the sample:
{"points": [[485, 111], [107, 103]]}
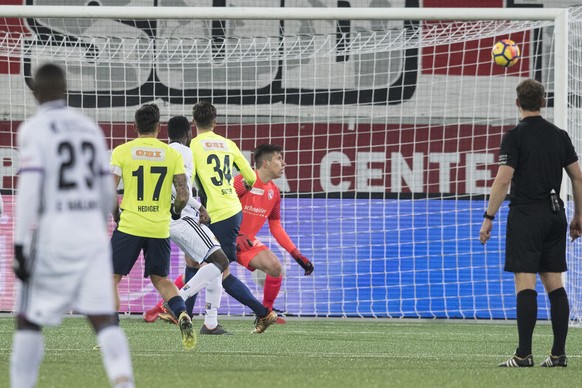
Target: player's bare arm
{"points": [[116, 180], [575, 173], [498, 193], [203, 217], [182, 192]]}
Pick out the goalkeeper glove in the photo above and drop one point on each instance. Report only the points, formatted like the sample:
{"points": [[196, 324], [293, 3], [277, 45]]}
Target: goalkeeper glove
{"points": [[175, 216], [19, 264], [302, 261], [243, 243]]}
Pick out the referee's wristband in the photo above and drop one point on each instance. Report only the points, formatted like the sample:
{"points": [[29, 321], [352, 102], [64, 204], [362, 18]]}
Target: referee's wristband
{"points": [[485, 215]]}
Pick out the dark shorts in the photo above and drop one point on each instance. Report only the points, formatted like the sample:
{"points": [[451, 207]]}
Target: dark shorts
{"points": [[535, 239], [126, 249], [226, 232]]}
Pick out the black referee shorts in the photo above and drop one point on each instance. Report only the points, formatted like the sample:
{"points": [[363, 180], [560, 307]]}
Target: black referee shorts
{"points": [[126, 248], [535, 239]]}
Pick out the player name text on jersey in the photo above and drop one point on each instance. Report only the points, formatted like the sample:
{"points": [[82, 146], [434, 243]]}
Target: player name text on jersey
{"points": [[77, 205], [148, 209]]}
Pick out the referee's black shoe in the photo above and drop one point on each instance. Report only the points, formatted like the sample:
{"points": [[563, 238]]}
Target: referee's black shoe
{"points": [[553, 361], [518, 362]]}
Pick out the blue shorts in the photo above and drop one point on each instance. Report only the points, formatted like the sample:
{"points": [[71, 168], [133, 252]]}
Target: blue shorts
{"points": [[126, 248], [226, 232]]}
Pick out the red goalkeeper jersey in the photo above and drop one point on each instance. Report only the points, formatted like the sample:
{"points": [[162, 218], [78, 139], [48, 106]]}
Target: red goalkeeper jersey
{"points": [[260, 203]]}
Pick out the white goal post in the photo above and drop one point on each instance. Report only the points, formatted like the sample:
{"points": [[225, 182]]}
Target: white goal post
{"points": [[390, 119]]}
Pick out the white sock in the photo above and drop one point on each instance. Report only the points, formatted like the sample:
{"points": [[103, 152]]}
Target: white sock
{"points": [[27, 354], [203, 277], [116, 359], [213, 296]]}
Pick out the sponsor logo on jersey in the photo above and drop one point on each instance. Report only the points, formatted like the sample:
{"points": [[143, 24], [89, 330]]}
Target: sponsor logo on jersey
{"points": [[214, 145], [270, 194], [155, 154], [257, 191], [253, 209]]}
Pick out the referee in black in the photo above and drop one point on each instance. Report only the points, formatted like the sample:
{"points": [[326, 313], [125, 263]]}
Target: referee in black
{"points": [[531, 159]]}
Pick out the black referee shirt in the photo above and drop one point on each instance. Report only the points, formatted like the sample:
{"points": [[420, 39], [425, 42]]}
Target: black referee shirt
{"points": [[538, 151]]}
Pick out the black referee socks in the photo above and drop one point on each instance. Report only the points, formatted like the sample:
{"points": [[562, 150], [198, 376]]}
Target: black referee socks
{"points": [[560, 310], [527, 315]]}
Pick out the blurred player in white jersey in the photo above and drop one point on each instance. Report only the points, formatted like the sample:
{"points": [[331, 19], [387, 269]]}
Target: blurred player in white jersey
{"points": [[64, 197], [194, 238]]}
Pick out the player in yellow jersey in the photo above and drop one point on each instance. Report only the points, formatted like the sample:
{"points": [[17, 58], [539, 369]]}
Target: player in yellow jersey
{"points": [[215, 158], [149, 168]]}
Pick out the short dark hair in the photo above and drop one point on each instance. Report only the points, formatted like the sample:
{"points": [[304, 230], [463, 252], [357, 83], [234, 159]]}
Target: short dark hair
{"points": [[530, 94], [50, 82], [178, 126], [204, 113], [147, 118], [265, 152]]}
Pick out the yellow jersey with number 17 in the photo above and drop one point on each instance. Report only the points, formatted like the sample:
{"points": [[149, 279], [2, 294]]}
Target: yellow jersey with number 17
{"points": [[214, 159], [147, 168]]}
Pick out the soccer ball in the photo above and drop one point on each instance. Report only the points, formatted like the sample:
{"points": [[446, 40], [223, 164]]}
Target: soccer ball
{"points": [[505, 53]]}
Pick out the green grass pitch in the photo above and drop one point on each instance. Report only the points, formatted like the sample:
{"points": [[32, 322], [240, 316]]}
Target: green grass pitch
{"points": [[314, 353]]}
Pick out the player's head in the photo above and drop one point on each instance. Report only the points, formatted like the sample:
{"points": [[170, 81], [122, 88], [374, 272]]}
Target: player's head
{"points": [[530, 95], [204, 114], [147, 119], [49, 83], [179, 130], [268, 157]]}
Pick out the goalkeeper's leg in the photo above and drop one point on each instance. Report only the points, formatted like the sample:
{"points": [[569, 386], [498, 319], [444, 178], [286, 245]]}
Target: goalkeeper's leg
{"points": [[271, 290], [265, 260]]}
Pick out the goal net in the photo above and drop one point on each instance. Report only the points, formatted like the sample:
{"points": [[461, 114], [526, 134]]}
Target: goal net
{"points": [[390, 130]]}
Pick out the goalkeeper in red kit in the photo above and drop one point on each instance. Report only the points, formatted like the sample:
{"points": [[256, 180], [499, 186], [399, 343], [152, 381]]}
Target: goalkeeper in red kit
{"points": [[260, 202]]}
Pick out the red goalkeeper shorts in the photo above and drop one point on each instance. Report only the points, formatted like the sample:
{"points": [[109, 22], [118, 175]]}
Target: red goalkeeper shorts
{"points": [[244, 258]]}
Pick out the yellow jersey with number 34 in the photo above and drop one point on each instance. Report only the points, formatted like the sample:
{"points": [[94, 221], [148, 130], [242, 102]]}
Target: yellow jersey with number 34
{"points": [[147, 168], [214, 159]]}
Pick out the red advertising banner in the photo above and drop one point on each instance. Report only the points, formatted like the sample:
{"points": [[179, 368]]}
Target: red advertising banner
{"points": [[333, 157]]}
